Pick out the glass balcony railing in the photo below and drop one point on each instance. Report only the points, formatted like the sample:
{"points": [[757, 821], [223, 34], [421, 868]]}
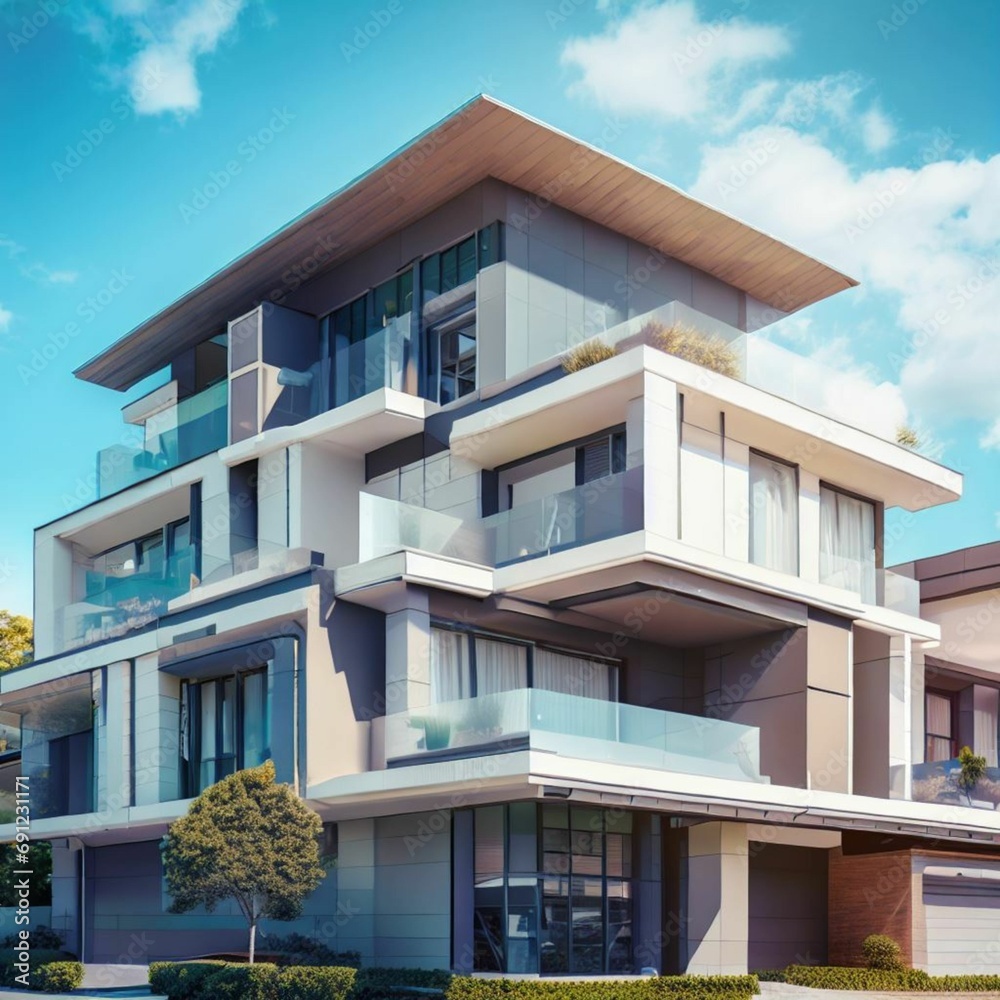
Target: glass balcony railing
{"points": [[116, 605], [758, 361], [194, 427], [377, 362], [249, 555], [571, 726], [938, 782], [603, 508]]}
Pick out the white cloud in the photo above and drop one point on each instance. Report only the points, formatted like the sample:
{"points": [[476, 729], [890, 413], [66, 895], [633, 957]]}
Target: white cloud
{"points": [[926, 237], [157, 47], [877, 132], [806, 102], [665, 61], [990, 440], [6, 316]]}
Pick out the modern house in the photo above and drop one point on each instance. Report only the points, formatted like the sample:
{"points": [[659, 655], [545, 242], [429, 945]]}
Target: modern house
{"points": [[586, 672]]}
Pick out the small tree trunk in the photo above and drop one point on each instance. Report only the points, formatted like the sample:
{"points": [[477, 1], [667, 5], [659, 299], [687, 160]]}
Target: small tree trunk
{"points": [[253, 938]]}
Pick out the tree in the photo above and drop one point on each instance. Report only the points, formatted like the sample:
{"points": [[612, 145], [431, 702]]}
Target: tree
{"points": [[40, 879], [17, 639], [245, 838]]}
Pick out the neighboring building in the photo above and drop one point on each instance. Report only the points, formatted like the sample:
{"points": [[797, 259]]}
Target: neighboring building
{"points": [[585, 672], [946, 904]]}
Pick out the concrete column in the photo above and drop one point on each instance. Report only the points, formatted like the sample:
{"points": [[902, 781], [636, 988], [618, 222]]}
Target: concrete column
{"points": [[53, 590], [215, 518], [113, 749], [651, 430], [157, 733], [407, 655], [808, 526], [736, 498], [649, 934], [900, 715], [717, 899], [356, 888], [917, 707], [66, 892]]}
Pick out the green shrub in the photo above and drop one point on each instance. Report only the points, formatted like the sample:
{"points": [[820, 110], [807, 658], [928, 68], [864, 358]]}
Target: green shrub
{"points": [[59, 977], [40, 957], [965, 984], [692, 345], [180, 980], [653, 988], [376, 983], [586, 354], [881, 952], [316, 982], [973, 768], [831, 977], [297, 949], [241, 982], [828, 977], [770, 975]]}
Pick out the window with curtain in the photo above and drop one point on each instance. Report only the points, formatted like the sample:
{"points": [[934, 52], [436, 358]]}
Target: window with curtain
{"points": [[774, 514], [450, 679], [467, 665], [847, 543], [939, 726], [986, 708], [232, 727], [500, 666]]}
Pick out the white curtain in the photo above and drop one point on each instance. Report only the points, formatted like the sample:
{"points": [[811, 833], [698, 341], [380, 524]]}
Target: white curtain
{"points": [[937, 726], [449, 666], [500, 666], [572, 675], [986, 705], [774, 515], [847, 543]]}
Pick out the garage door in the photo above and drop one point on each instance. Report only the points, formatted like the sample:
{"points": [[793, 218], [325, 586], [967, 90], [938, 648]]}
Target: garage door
{"points": [[963, 923]]}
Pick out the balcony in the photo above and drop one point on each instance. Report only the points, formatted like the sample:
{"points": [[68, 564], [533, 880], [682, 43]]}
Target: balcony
{"points": [[117, 605], [114, 606], [758, 361], [180, 433], [603, 508], [938, 782], [571, 726]]}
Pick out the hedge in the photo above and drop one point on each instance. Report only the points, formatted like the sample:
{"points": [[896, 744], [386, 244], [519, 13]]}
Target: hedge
{"points": [[830, 977], [180, 980], [314, 982], [59, 977], [651, 988], [39, 959], [242, 982], [375, 983], [263, 981]]}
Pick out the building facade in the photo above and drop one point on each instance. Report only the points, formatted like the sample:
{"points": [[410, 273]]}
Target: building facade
{"points": [[588, 668]]}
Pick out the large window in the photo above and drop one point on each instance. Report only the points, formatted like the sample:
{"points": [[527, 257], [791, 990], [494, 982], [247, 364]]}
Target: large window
{"points": [[225, 726], [939, 726], [774, 514], [847, 542], [369, 339], [553, 890], [469, 665]]}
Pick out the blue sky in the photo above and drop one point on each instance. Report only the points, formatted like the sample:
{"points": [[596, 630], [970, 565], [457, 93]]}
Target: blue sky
{"points": [[116, 113]]}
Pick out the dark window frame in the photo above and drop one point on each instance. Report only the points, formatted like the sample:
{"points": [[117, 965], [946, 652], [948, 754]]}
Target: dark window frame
{"points": [[471, 634], [952, 738]]}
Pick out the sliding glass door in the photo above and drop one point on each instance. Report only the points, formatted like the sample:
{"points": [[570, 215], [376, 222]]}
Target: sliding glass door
{"points": [[847, 543]]}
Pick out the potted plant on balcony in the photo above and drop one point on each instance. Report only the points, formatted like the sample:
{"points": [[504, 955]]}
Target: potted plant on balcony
{"points": [[437, 731], [482, 720], [973, 768]]}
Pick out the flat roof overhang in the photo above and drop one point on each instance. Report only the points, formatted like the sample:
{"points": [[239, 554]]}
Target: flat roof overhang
{"points": [[531, 774], [482, 139]]}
